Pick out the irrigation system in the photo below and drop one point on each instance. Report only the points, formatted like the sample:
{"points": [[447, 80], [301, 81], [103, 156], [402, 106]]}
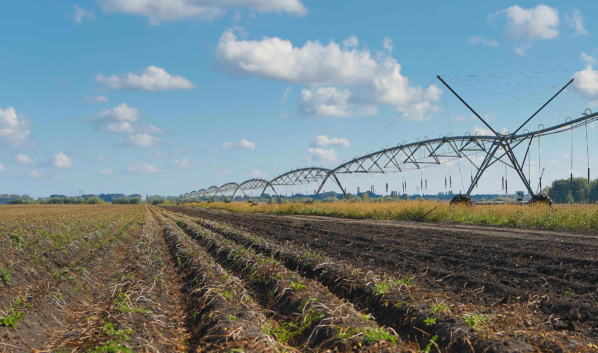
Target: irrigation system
{"points": [[421, 154]]}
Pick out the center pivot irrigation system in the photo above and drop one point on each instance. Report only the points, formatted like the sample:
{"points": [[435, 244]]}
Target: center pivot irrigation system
{"points": [[492, 148]]}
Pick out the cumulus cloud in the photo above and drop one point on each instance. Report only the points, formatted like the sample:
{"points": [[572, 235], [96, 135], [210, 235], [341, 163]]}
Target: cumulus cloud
{"points": [[285, 96], [540, 22], [330, 101], [144, 168], [486, 132], [184, 163], [97, 99], [22, 159], [140, 140], [97, 159], [123, 119], [243, 145], [35, 174], [219, 172], [575, 20], [521, 49], [588, 80], [475, 40], [14, 129], [321, 155], [351, 42], [151, 79], [159, 155], [257, 175], [177, 150], [120, 113], [62, 161], [158, 11], [79, 14], [106, 172], [324, 141], [344, 81], [2, 168]]}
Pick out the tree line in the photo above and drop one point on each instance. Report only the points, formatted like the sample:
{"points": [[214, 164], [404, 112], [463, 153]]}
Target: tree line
{"points": [[578, 190]]}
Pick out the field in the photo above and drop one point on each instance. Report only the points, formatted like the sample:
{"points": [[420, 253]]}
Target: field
{"points": [[123, 278]]}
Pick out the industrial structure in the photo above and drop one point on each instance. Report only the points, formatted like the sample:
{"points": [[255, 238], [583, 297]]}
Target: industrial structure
{"points": [[495, 148]]}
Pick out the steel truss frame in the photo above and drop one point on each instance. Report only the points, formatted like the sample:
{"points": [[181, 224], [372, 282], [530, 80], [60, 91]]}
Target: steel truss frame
{"points": [[423, 153]]}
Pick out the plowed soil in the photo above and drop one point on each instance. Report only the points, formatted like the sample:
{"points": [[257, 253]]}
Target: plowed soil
{"points": [[488, 266]]}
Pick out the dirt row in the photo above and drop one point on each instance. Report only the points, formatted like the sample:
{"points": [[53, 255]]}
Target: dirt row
{"points": [[469, 269], [302, 314], [118, 296]]}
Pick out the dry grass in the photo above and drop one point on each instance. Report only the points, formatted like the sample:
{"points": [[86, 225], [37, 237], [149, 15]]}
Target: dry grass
{"points": [[559, 217]]}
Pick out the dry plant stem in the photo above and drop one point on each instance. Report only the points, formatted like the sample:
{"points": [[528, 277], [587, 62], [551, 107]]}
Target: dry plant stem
{"points": [[291, 293], [225, 315]]}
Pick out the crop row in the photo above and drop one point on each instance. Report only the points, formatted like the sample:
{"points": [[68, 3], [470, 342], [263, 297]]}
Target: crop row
{"points": [[315, 318]]}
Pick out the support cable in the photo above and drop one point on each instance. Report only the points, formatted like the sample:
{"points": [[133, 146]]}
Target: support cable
{"points": [[553, 136]]}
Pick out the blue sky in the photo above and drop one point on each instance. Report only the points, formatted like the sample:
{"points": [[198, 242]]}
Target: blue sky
{"points": [[167, 97]]}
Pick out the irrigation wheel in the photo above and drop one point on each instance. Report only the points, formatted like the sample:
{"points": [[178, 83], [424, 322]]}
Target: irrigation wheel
{"points": [[462, 200], [541, 199]]}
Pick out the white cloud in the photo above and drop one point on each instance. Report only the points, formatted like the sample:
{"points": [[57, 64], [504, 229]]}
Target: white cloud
{"points": [[121, 113], [540, 22], [372, 79], [246, 145], [151, 79], [520, 49], [62, 161], [22, 159], [106, 172], [257, 175], [140, 140], [243, 145], [144, 168], [285, 96], [159, 155], [35, 174], [487, 132], [351, 42], [123, 119], [587, 80], [324, 141], [321, 155], [184, 163], [177, 10], [575, 20], [79, 14], [219, 172], [177, 150], [98, 159], [330, 101], [475, 40], [2, 167], [97, 99], [13, 128]]}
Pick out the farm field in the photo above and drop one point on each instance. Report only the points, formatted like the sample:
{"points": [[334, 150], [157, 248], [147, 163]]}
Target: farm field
{"points": [[123, 278], [581, 217]]}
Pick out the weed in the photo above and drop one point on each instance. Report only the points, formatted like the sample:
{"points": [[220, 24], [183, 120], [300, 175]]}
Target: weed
{"points": [[120, 334], [475, 320], [297, 285], [5, 274], [430, 343], [58, 296], [141, 310], [12, 318], [374, 335], [439, 308], [430, 321], [112, 347], [232, 317]]}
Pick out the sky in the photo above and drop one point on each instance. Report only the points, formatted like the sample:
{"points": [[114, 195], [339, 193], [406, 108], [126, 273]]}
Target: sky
{"points": [[167, 97]]}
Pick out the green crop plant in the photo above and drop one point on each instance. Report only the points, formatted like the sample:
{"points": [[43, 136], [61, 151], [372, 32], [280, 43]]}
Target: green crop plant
{"points": [[439, 308], [475, 320], [5, 275], [298, 285], [432, 341], [430, 321]]}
